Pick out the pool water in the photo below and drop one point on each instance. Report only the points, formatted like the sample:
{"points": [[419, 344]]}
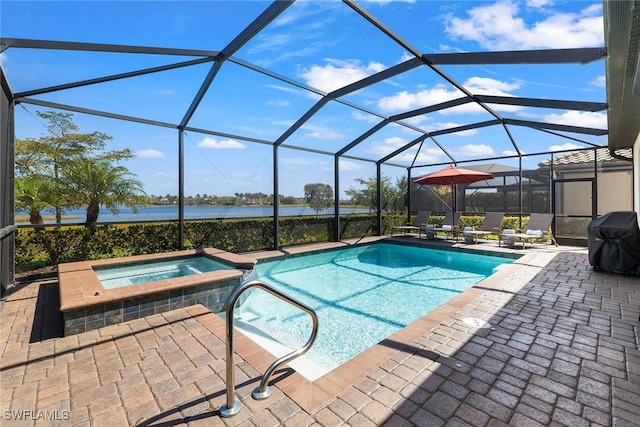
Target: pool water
{"points": [[133, 274], [362, 295]]}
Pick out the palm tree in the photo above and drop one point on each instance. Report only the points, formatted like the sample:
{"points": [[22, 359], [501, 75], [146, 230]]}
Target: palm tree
{"points": [[31, 195], [93, 183]]}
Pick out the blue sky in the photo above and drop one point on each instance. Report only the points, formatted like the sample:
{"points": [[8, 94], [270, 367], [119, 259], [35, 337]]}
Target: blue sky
{"points": [[320, 44]]}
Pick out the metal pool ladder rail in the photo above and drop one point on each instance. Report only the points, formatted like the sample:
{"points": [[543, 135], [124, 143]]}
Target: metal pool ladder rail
{"points": [[263, 391]]}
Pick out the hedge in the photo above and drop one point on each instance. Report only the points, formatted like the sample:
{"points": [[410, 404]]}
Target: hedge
{"points": [[47, 246]]}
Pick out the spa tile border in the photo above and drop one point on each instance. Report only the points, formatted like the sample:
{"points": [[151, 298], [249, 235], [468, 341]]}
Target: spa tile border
{"points": [[212, 295], [86, 305], [80, 287]]}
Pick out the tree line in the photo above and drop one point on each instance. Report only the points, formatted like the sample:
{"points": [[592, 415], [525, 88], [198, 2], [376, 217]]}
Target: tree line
{"points": [[238, 199]]}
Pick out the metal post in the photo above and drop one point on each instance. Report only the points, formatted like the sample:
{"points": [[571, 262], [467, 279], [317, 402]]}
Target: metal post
{"points": [[407, 195], [233, 405], [520, 191], [276, 200], [7, 184], [336, 198], [181, 189], [379, 197]]}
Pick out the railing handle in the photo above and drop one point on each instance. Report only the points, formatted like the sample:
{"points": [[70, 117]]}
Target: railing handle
{"points": [[263, 391]]}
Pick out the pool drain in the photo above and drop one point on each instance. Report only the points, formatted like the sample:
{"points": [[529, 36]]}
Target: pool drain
{"points": [[477, 323]]}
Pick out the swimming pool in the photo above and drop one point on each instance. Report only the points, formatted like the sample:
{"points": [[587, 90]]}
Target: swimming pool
{"points": [[361, 294], [136, 273]]}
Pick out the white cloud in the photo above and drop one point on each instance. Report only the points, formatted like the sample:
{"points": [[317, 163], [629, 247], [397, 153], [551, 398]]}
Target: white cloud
{"points": [[442, 48], [395, 141], [209, 142], [426, 155], [419, 121], [489, 86], [273, 42], [369, 118], [387, 146], [566, 146], [600, 81], [324, 134], [405, 100], [347, 165], [405, 57], [475, 150], [150, 154], [337, 73], [539, 3], [510, 153], [589, 119], [287, 89], [318, 132], [499, 26]]}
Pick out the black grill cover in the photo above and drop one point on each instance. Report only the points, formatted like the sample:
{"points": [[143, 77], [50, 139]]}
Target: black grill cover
{"points": [[614, 242]]}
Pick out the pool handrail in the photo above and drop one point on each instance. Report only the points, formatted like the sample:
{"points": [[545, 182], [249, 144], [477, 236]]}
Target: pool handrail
{"points": [[233, 405]]}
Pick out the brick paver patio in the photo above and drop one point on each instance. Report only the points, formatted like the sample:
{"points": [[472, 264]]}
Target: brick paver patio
{"points": [[563, 349]]}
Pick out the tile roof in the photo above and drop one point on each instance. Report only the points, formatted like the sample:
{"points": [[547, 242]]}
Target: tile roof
{"points": [[586, 156]]}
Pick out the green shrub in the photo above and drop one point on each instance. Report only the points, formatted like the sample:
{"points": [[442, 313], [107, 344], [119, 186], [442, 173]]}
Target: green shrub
{"points": [[44, 246]]}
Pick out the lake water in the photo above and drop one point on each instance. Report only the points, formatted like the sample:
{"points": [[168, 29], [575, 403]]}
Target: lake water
{"points": [[164, 213]]}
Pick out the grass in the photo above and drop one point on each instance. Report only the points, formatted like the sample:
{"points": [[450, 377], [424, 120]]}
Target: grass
{"points": [[25, 218]]}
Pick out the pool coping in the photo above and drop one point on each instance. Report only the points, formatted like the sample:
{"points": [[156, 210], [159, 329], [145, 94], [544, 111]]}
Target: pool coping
{"points": [[311, 395], [81, 288]]}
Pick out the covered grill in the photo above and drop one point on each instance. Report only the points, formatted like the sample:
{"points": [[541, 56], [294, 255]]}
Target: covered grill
{"points": [[614, 242]]}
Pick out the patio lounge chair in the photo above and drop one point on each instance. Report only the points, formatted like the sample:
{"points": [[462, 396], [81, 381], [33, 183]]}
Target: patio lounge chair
{"points": [[418, 225], [537, 230], [490, 225], [449, 225]]}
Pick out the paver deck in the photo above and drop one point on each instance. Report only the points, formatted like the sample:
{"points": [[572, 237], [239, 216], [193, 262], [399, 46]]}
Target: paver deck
{"points": [[563, 349]]}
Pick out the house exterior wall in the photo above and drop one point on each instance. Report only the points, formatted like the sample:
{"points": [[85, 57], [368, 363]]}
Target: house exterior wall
{"points": [[614, 192]]}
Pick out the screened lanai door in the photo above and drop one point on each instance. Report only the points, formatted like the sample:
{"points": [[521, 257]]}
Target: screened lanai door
{"points": [[575, 205]]}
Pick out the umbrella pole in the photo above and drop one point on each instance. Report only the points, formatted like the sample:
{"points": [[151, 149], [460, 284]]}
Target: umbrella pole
{"points": [[453, 203]]}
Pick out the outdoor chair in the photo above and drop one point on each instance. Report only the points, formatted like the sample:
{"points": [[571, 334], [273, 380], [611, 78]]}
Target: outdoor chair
{"points": [[421, 221], [507, 237], [490, 225], [449, 225], [537, 230], [468, 236]]}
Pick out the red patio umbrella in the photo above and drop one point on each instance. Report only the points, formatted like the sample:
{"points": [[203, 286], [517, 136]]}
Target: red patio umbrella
{"points": [[452, 175]]}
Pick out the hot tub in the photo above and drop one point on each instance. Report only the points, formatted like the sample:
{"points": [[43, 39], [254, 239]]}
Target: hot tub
{"points": [[150, 284]]}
